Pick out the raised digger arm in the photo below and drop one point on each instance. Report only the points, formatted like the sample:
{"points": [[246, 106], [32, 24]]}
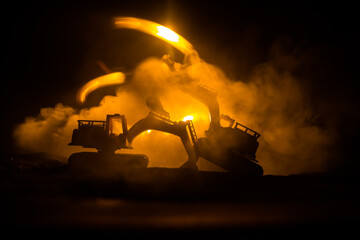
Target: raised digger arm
{"points": [[157, 121], [208, 97]]}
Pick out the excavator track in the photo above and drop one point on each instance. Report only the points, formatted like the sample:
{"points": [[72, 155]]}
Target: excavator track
{"points": [[100, 163]]}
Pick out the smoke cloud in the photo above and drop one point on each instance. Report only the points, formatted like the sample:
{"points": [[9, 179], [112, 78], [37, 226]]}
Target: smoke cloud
{"points": [[271, 102]]}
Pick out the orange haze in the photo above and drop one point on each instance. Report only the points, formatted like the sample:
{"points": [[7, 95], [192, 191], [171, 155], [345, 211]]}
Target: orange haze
{"points": [[271, 102]]}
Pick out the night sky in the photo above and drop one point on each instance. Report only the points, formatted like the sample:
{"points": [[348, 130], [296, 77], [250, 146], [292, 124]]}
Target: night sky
{"points": [[50, 50]]}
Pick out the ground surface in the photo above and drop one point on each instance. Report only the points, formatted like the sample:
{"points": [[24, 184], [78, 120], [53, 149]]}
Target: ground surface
{"points": [[39, 193]]}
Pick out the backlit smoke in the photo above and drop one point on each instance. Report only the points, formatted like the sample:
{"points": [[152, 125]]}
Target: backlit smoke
{"points": [[271, 102]]}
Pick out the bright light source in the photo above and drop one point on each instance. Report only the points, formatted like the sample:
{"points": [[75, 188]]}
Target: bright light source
{"points": [[189, 117], [158, 31], [167, 33]]}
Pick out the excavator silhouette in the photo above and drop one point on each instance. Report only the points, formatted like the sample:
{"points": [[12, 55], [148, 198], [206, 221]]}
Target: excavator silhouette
{"points": [[233, 147]]}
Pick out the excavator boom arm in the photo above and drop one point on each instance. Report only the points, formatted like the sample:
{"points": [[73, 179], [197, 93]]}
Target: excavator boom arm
{"points": [[155, 121], [208, 97]]}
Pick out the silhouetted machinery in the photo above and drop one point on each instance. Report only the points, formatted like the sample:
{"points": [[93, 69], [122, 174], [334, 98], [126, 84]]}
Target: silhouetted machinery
{"points": [[113, 134], [233, 148], [107, 137]]}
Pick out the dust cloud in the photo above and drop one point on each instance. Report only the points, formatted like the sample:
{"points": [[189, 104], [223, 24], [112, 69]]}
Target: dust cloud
{"points": [[271, 102]]}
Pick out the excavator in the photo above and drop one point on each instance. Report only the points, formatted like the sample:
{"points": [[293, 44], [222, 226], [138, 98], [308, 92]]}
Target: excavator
{"points": [[113, 134], [232, 148]]}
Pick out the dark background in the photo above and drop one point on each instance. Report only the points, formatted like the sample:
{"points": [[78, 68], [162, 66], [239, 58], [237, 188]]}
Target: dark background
{"points": [[50, 49]]}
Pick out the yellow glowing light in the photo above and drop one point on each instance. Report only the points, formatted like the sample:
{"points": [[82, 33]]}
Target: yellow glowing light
{"points": [[105, 80], [148, 131], [189, 117], [167, 33], [158, 31], [145, 26]]}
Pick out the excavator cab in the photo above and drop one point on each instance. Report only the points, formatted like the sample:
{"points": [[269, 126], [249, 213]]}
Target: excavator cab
{"points": [[116, 125], [109, 135], [106, 137]]}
